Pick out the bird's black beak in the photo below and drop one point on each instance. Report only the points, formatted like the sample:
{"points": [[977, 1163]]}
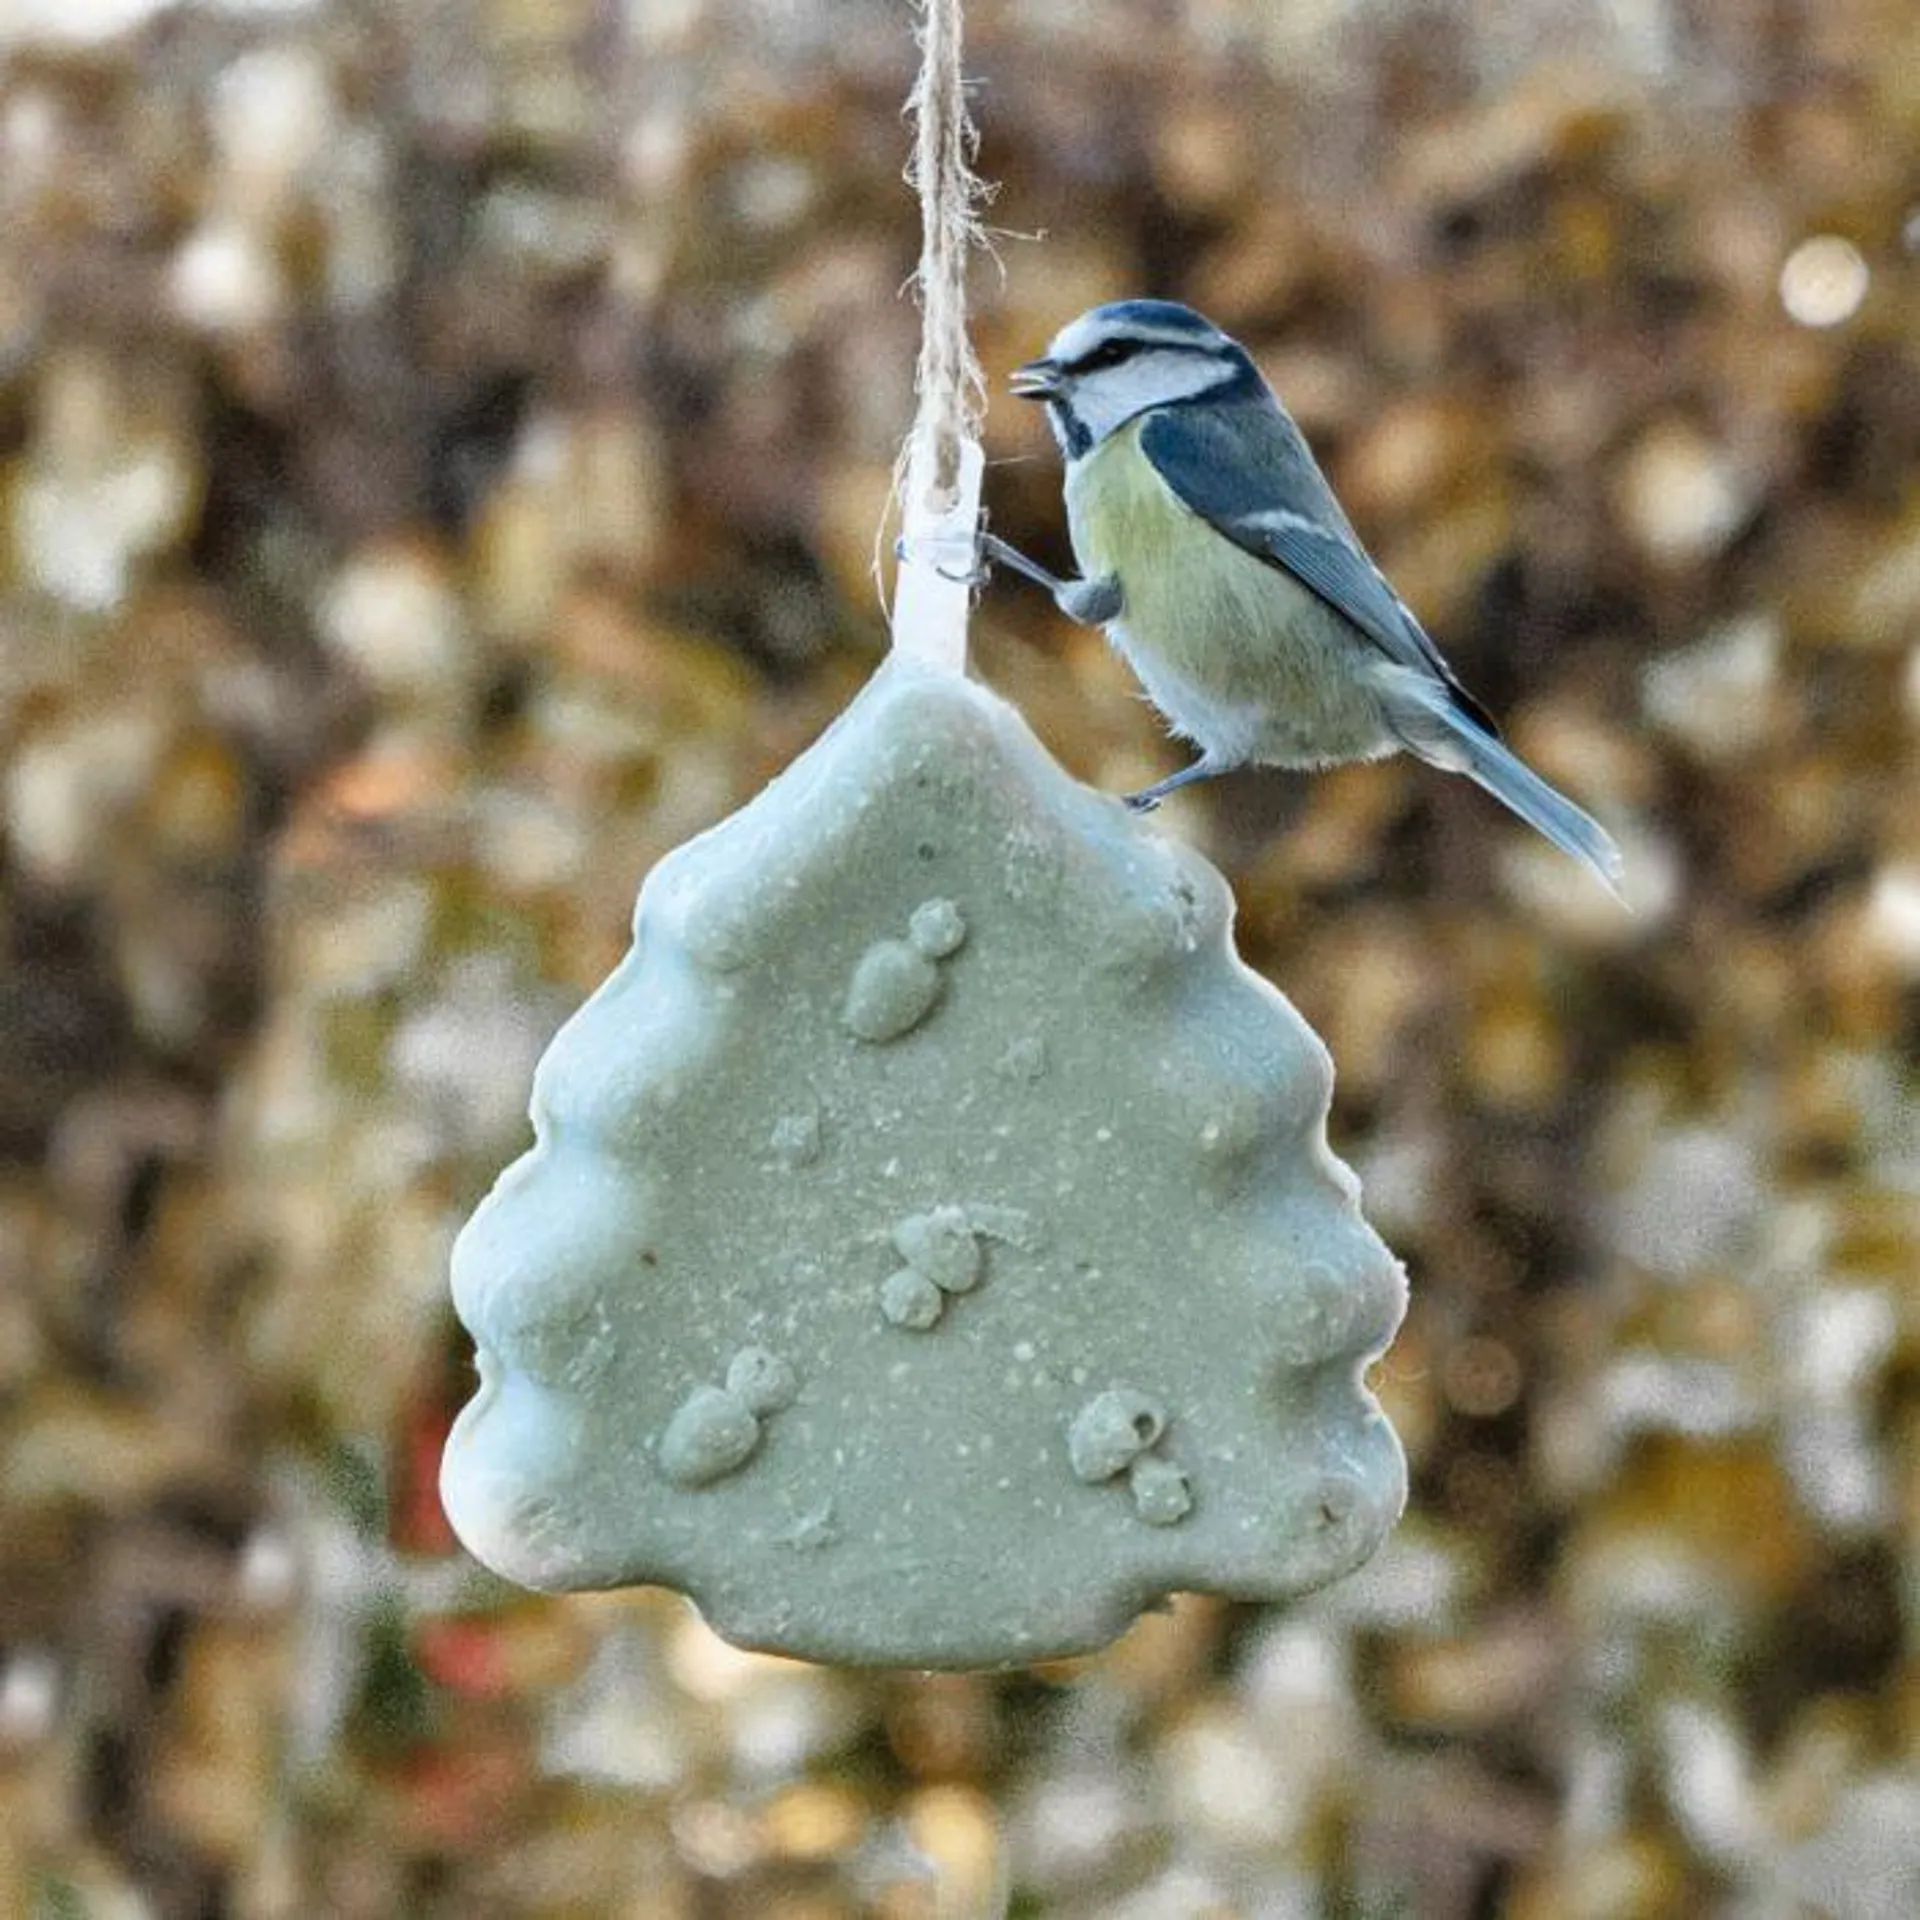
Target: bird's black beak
{"points": [[1037, 380]]}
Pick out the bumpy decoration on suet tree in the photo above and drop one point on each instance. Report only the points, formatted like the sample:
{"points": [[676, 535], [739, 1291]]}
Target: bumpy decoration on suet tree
{"points": [[930, 1253]]}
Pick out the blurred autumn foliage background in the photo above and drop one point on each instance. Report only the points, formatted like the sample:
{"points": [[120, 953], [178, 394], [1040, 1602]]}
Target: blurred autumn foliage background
{"points": [[441, 451]]}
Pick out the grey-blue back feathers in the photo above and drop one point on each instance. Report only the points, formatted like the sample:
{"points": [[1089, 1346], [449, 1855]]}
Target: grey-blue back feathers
{"points": [[1205, 454]]}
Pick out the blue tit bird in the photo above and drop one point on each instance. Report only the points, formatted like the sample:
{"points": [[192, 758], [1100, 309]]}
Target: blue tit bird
{"points": [[1213, 552]]}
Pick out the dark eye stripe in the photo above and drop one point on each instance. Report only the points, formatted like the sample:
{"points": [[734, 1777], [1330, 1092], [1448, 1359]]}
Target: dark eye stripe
{"points": [[1108, 353], [1111, 352]]}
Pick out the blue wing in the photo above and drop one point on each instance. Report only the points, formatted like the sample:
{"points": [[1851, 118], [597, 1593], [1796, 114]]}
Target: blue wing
{"points": [[1292, 521]]}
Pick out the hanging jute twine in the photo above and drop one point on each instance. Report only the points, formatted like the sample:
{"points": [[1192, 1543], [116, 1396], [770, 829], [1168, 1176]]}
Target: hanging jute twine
{"points": [[937, 481], [948, 378]]}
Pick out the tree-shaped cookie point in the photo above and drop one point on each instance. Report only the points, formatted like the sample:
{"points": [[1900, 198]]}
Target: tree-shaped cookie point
{"points": [[938, 1309]]}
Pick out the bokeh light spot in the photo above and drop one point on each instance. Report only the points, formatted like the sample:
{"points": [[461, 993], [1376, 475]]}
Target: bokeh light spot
{"points": [[1824, 281]]}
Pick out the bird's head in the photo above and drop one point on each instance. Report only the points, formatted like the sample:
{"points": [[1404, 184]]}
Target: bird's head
{"points": [[1120, 360]]}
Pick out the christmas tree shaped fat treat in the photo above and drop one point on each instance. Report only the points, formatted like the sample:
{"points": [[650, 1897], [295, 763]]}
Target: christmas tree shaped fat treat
{"points": [[931, 1253]]}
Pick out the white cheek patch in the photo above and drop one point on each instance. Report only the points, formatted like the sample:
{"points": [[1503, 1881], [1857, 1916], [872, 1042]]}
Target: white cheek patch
{"points": [[1113, 396]]}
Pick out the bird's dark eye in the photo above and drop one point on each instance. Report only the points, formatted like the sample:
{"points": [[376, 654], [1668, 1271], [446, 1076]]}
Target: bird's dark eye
{"points": [[1108, 354]]}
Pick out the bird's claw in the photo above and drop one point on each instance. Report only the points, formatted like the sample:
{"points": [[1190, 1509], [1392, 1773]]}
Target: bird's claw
{"points": [[976, 575]]}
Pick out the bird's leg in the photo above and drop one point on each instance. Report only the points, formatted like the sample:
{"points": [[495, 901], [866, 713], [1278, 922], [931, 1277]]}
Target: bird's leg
{"points": [[1205, 768], [1090, 602]]}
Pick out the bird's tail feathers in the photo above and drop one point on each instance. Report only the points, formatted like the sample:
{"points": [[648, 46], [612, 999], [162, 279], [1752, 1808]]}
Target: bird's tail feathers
{"points": [[1422, 712]]}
